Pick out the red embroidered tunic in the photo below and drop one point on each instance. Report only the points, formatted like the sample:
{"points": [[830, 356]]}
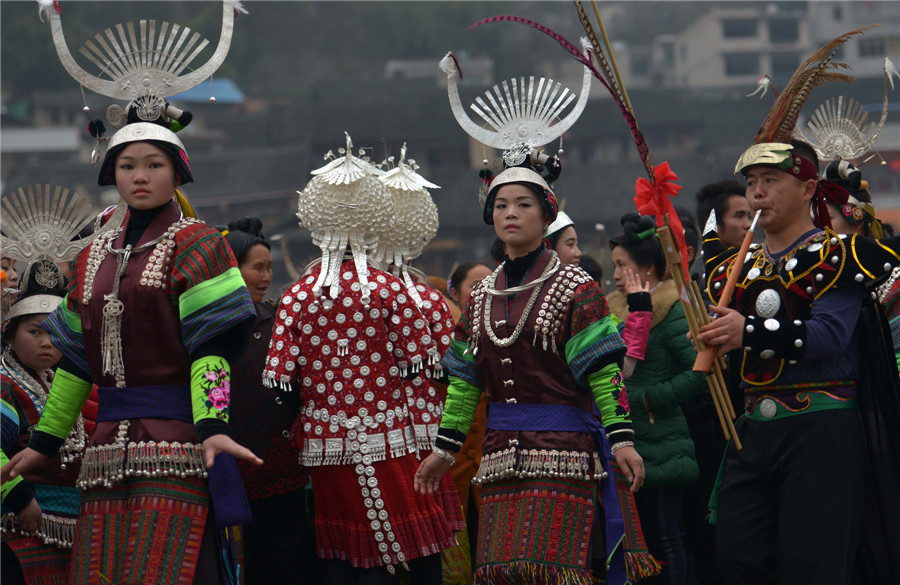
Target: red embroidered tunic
{"points": [[425, 400], [348, 359]]}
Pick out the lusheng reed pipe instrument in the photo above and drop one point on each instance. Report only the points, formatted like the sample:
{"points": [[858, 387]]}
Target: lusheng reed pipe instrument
{"points": [[705, 359], [695, 313]]}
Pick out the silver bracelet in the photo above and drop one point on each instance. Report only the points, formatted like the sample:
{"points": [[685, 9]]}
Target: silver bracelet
{"points": [[449, 440], [445, 455], [619, 431], [620, 445]]}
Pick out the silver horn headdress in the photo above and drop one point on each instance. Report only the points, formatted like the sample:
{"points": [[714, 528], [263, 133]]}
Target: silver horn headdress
{"points": [[147, 63], [522, 117], [142, 63], [840, 128], [40, 223]]}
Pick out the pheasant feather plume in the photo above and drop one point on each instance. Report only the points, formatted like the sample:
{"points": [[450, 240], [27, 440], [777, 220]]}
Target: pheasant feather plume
{"points": [[817, 70]]}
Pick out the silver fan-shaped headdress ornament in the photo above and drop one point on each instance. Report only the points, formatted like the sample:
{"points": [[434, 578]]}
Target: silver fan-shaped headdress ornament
{"points": [[345, 207], [415, 220], [840, 128], [518, 116], [40, 223], [142, 64], [522, 117]]}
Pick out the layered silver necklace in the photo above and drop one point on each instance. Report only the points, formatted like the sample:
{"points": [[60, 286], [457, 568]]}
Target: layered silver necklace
{"points": [[552, 266]]}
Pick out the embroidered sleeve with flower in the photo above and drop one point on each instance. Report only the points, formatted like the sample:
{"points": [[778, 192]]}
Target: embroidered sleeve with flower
{"points": [[210, 388]]}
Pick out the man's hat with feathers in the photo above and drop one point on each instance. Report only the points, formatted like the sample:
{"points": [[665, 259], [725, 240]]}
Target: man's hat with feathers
{"points": [[772, 143]]}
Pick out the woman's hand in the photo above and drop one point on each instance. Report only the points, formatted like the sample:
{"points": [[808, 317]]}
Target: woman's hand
{"points": [[22, 462], [225, 444], [428, 476], [30, 517], [632, 466], [633, 282]]}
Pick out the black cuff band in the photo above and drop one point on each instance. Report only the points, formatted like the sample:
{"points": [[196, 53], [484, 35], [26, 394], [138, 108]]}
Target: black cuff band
{"points": [[19, 496], [449, 440], [207, 427], [45, 444], [620, 432], [773, 339], [612, 357], [73, 368], [639, 301]]}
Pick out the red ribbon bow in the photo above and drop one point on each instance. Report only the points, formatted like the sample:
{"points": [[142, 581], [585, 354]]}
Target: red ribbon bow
{"points": [[655, 199]]}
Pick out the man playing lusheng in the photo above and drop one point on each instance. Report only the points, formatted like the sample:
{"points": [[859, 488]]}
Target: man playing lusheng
{"points": [[793, 501]]}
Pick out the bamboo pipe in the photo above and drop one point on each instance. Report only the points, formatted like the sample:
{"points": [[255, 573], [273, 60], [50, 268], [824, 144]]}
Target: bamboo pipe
{"points": [[693, 313], [705, 360], [612, 57], [719, 365]]}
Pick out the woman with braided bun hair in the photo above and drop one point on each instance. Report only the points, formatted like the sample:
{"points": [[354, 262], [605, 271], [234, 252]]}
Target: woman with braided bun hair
{"points": [[276, 551], [658, 363], [537, 340]]}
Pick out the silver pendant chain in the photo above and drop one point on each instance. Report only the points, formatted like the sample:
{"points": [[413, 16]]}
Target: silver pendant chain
{"points": [[551, 268], [111, 333]]}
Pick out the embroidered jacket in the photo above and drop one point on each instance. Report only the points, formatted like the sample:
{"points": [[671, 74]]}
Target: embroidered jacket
{"points": [[52, 482], [348, 359], [567, 349], [425, 400], [802, 305], [178, 295]]}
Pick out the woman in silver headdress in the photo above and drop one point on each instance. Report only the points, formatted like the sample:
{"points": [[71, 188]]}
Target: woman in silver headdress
{"points": [[537, 339]]}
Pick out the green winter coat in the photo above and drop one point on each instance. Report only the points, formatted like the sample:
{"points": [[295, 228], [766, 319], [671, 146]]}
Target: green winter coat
{"points": [[660, 383]]}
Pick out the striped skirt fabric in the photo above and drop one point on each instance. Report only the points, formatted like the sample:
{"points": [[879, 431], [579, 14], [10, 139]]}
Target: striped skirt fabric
{"points": [[42, 564], [535, 531], [142, 531]]}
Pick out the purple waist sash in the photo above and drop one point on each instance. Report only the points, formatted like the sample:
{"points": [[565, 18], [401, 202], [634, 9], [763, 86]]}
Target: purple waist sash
{"points": [[173, 402], [168, 401], [505, 416]]}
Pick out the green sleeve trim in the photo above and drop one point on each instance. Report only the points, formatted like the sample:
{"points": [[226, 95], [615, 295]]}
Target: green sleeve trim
{"points": [[610, 395], [8, 486], [73, 319], [209, 291], [67, 398], [588, 336], [459, 409], [210, 388]]}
